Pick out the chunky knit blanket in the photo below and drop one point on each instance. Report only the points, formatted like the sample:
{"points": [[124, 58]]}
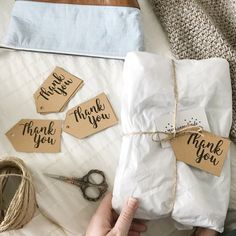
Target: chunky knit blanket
{"points": [[199, 29]]}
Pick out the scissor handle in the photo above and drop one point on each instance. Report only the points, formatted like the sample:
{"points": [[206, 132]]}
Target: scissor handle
{"points": [[101, 190], [88, 177], [87, 182]]}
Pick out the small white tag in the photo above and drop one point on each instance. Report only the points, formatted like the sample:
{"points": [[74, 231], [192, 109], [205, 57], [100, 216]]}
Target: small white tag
{"points": [[195, 116]]}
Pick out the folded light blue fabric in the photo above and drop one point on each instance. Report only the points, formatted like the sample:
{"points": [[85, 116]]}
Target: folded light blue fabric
{"points": [[100, 31]]}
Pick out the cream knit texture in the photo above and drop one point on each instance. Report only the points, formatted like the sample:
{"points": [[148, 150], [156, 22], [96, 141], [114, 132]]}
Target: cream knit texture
{"points": [[199, 29]]}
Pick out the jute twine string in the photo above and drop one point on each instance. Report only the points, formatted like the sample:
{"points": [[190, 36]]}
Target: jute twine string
{"points": [[187, 129], [23, 205], [176, 132]]}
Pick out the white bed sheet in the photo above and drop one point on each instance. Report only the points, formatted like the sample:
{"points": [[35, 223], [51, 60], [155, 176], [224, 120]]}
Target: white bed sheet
{"points": [[20, 75]]}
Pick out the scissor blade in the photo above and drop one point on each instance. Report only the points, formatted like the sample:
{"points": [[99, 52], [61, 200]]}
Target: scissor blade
{"points": [[58, 177]]}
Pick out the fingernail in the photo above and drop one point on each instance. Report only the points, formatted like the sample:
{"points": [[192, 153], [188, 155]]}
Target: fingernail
{"points": [[133, 202], [143, 228]]}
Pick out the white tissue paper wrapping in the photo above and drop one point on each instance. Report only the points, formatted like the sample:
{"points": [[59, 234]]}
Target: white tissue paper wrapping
{"points": [[149, 172]]}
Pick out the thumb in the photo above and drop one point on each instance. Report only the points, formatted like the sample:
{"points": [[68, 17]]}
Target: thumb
{"points": [[125, 219]]}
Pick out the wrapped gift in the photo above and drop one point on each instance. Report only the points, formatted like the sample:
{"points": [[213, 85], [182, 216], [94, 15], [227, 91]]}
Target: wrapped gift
{"points": [[147, 169], [77, 27]]}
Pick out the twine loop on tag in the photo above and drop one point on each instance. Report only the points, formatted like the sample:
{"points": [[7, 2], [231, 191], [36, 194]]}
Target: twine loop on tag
{"points": [[188, 129]]}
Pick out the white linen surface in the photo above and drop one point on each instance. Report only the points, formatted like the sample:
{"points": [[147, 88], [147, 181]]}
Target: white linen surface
{"points": [[146, 170], [20, 75]]}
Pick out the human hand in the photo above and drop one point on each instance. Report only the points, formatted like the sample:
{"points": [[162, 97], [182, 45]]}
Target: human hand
{"points": [[205, 232], [105, 222]]}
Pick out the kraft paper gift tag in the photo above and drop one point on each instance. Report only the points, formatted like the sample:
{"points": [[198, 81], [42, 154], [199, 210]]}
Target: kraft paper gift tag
{"points": [[206, 152], [56, 91], [90, 117], [36, 136]]}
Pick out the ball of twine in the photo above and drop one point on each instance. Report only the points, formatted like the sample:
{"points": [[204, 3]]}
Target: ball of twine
{"points": [[23, 204]]}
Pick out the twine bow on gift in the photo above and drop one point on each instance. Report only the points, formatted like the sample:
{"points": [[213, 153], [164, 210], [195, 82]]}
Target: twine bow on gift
{"points": [[188, 129]]}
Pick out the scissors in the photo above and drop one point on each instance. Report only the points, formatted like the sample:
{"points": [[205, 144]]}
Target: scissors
{"points": [[87, 184]]}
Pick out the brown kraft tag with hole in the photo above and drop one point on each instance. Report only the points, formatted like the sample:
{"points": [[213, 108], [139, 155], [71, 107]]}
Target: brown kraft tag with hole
{"points": [[56, 91], [90, 117], [36, 136], [207, 152]]}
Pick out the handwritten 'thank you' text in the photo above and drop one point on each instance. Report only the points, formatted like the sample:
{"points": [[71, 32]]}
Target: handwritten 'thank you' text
{"points": [[93, 114], [40, 134], [59, 86], [206, 151]]}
